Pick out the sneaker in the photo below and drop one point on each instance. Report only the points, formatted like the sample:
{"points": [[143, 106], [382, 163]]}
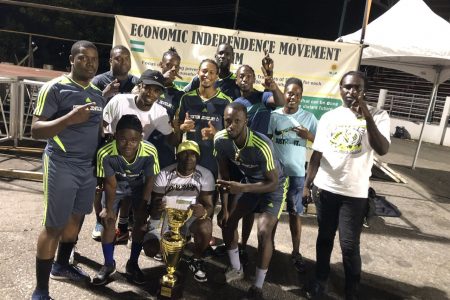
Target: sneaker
{"points": [[221, 250], [298, 262], [130, 242], [158, 257], [315, 290], [197, 266], [97, 232], [254, 293], [40, 295], [68, 272], [232, 274], [134, 273], [243, 256], [102, 276], [122, 237]]}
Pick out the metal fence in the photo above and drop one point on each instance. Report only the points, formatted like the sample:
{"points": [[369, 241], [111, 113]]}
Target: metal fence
{"points": [[17, 103], [407, 106]]}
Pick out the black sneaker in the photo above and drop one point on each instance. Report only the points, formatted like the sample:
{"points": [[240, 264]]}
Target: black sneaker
{"points": [[134, 273], [254, 293], [158, 257], [197, 266], [221, 250], [40, 295], [298, 262], [102, 276], [68, 272], [315, 290]]}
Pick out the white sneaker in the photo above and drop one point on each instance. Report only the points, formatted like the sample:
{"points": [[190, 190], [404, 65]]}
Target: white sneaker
{"points": [[232, 274], [97, 231]]}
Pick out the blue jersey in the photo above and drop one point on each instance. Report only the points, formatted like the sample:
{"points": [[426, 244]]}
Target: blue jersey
{"points": [[253, 160], [77, 143], [227, 85], [201, 112], [258, 110], [289, 147], [111, 163], [170, 100]]}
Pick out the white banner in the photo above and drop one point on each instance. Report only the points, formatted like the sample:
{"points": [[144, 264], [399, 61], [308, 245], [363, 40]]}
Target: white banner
{"points": [[320, 64]]}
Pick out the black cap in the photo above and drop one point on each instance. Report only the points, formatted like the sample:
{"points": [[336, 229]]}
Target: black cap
{"points": [[152, 77]]}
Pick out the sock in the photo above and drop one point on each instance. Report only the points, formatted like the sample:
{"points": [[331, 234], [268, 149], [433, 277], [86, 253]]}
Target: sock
{"points": [[99, 220], [43, 268], [135, 251], [64, 250], [123, 224], [233, 254], [108, 253], [260, 276]]}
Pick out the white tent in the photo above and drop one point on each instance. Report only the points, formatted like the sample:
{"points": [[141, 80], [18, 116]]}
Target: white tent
{"points": [[411, 38]]}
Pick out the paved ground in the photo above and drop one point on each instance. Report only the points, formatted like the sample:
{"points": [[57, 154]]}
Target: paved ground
{"points": [[403, 258]]}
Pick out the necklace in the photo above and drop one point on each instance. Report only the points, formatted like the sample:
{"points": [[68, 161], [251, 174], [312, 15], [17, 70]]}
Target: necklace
{"points": [[184, 176], [237, 155]]}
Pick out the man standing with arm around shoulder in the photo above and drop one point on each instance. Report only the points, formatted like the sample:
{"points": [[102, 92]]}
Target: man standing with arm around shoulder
{"points": [[340, 167], [69, 115]]}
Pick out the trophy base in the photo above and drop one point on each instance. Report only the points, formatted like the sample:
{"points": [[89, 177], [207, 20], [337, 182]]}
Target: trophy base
{"points": [[167, 292]]}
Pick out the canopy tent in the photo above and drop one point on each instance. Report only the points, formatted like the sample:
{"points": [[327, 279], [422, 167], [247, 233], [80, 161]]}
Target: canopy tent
{"points": [[411, 38]]}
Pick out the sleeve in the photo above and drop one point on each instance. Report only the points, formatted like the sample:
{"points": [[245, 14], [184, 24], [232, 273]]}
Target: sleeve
{"points": [[207, 181], [265, 98], [320, 140], [104, 168], [313, 125], [47, 103], [383, 123], [182, 110], [151, 167], [160, 183], [164, 123], [193, 85], [110, 113], [264, 156], [217, 152]]}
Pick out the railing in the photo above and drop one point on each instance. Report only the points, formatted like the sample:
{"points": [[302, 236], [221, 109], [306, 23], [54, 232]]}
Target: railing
{"points": [[17, 103], [412, 107]]}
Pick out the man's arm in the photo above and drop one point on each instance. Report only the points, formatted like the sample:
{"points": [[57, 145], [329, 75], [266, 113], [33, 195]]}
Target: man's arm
{"points": [[314, 163], [204, 206], [269, 184], [110, 185], [41, 128]]}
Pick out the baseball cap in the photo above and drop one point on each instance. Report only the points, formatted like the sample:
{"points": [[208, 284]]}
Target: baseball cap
{"points": [[152, 77], [188, 145]]}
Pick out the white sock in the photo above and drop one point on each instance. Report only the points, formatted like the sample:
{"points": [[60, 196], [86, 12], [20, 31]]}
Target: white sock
{"points": [[233, 254], [260, 276]]}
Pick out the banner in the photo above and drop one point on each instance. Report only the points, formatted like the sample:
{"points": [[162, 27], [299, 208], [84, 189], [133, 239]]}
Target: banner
{"points": [[319, 64]]}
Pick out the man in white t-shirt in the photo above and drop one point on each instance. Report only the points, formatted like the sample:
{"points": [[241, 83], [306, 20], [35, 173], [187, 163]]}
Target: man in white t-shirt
{"points": [[151, 114], [184, 178], [340, 166]]}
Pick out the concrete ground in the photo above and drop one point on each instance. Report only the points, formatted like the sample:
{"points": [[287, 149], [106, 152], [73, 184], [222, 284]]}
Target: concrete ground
{"points": [[403, 258]]}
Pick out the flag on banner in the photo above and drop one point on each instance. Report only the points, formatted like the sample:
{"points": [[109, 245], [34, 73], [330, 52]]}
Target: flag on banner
{"points": [[137, 46]]}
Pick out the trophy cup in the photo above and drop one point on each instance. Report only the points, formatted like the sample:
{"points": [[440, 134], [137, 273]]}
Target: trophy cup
{"points": [[172, 243]]}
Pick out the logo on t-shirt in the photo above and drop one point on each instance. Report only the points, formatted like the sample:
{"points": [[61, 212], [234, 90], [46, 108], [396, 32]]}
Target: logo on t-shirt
{"points": [[347, 139]]}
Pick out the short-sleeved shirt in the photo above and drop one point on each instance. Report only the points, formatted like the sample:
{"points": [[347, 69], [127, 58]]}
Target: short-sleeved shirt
{"points": [[255, 158], [170, 183], [124, 104], [347, 156], [126, 86], [170, 100], [111, 163], [227, 85], [258, 110], [201, 112], [289, 147], [76, 143]]}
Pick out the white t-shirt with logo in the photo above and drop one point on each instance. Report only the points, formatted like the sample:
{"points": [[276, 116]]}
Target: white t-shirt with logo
{"points": [[170, 183], [124, 104], [347, 156]]}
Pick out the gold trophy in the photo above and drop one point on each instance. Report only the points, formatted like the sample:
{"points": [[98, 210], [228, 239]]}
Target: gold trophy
{"points": [[172, 244]]}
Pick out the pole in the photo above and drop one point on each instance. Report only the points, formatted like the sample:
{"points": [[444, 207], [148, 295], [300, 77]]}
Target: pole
{"points": [[363, 29], [344, 11], [433, 95], [236, 11]]}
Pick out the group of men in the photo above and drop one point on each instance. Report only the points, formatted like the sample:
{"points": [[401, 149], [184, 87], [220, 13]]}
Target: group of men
{"points": [[123, 144]]}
